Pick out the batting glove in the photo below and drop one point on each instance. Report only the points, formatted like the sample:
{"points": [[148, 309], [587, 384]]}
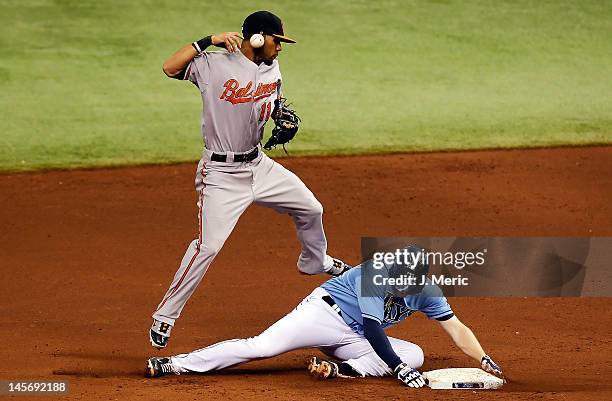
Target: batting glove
{"points": [[410, 377], [490, 366]]}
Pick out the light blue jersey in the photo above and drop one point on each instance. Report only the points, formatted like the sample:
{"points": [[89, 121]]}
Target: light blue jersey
{"points": [[382, 307]]}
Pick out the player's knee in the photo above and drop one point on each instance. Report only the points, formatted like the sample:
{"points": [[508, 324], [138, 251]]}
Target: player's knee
{"points": [[316, 208], [308, 213], [261, 348], [419, 358], [412, 354]]}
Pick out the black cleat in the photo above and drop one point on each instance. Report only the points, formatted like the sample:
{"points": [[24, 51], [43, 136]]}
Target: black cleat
{"points": [[157, 367], [159, 334], [338, 268], [322, 369]]}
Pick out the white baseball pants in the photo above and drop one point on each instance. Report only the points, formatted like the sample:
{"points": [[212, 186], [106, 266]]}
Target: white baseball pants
{"points": [[312, 324], [225, 190]]}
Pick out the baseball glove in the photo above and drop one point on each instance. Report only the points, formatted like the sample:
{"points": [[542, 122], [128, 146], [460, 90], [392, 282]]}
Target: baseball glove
{"points": [[286, 124]]}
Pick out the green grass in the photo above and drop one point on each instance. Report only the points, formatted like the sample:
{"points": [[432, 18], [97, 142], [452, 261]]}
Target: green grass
{"points": [[81, 81]]}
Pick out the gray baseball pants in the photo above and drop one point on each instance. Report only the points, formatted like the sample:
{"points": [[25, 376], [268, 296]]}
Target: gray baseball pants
{"points": [[225, 190]]}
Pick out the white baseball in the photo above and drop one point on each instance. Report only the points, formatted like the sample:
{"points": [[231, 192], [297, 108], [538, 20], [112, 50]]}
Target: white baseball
{"points": [[257, 40]]}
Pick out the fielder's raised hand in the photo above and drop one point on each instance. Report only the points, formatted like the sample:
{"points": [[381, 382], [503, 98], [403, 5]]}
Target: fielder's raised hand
{"points": [[230, 40], [488, 365], [409, 376]]}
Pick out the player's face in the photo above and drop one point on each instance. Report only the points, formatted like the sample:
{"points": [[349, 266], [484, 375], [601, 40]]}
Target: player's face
{"points": [[270, 49]]}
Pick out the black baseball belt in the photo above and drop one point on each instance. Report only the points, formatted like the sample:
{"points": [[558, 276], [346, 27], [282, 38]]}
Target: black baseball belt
{"points": [[330, 301], [238, 157]]}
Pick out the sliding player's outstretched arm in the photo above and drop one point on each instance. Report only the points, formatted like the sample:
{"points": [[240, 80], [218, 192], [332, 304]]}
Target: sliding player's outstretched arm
{"points": [[467, 342]]}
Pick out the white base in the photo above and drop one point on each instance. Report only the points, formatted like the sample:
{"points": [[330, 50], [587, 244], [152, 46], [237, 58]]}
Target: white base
{"points": [[462, 379]]}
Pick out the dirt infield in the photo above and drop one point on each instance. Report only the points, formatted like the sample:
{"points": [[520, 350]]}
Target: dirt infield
{"points": [[87, 255]]}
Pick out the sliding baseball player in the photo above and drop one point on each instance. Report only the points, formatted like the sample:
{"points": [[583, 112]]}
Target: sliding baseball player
{"points": [[345, 318]]}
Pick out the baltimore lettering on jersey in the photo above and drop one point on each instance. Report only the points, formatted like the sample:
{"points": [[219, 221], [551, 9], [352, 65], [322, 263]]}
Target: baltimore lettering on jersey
{"points": [[236, 94]]}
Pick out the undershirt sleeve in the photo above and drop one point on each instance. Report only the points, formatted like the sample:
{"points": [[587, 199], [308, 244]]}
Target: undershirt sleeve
{"points": [[374, 333]]}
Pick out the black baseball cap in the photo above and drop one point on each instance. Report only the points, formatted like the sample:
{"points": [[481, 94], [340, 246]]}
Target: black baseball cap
{"points": [[266, 23]]}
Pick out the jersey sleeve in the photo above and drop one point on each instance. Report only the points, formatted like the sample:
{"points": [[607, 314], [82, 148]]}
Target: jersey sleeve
{"points": [[198, 70], [372, 305], [436, 307]]}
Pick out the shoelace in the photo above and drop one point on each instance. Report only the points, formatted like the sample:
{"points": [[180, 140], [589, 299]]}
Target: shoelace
{"points": [[169, 368]]}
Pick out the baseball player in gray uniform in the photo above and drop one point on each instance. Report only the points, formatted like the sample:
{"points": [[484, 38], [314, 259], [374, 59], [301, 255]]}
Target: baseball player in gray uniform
{"points": [[238, 86]]}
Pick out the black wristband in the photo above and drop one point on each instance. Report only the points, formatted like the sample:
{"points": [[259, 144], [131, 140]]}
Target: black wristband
{"points": [[202, 44]]}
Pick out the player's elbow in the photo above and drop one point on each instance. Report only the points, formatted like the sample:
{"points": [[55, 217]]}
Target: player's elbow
{"points": [[168, 70]]}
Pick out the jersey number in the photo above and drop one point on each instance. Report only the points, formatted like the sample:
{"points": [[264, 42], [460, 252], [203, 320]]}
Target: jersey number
{"points": [[266, 109]]}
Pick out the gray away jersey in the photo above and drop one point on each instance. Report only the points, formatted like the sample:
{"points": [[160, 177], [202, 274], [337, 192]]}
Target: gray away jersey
{"points": [[238, 98], [384, 308]]}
